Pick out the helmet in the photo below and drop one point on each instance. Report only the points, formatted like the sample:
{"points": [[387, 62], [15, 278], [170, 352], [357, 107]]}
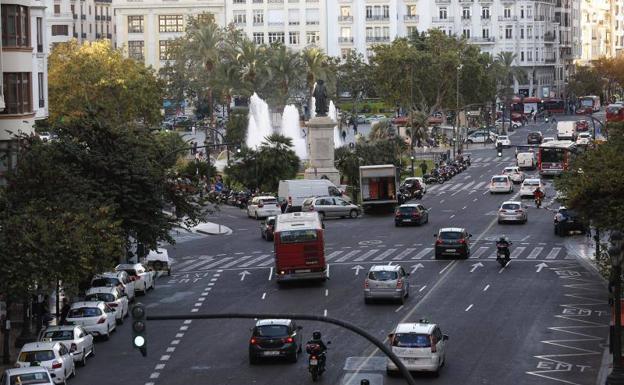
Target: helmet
{"points": [[316, 335], [502, 239]]}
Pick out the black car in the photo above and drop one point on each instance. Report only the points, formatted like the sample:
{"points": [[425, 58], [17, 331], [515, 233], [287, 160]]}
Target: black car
{"points": [[275, 338], [534, 137], [266, 228], [452, 241], [566, 221], [411, 214]]}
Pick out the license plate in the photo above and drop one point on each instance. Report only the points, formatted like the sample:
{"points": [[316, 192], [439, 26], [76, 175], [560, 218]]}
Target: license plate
{"points": [[450, 250], [303, 271], [313, 361], [271, 353], [407, 220]]}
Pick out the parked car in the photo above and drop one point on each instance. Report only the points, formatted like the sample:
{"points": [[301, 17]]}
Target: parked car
{"points": [[329, 207], [512, 211], [386, 282], [514, 173], [272, 338], [529, 186], [411, 213], [96, 317], [514, 125], [142, 278], [566, 221], [118, 279], [534, 137], [481, 137], [501, 183], [263, 206], [421, 347], [75, 338], [452, 241], [420, 181], [267, 227], [54, 356], [27, 375], [113, 298]]}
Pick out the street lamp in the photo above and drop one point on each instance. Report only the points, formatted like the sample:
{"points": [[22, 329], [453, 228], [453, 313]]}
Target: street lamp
{"points": [[456, 125], [616, 253], [412, 159]]}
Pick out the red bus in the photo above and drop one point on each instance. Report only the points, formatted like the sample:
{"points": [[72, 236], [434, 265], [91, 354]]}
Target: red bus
{"points": [[554, 157], [522, 108], [554, 106], [615, 112], [299, 247], [588, 105]]}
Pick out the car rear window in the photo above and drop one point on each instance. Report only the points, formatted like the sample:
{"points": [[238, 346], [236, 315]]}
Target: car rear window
{"points": [[531, 182], [106, 297], [104, 282], [383, 275], [29, 378], [59, 335], [37, 355], [272, 331], [296, 236], [411, 340], [499, 179], [511, 206], [502, 137], [406, 210], [83, 312], [268, 201], [451, 235]]}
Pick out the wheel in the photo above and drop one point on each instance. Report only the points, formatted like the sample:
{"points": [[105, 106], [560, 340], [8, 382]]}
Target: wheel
{"points": [[92, 350], [402, 300], [437, 256], [119, 321], [315, 375], [321, 215], [83, 361], [499, 221], [353, 214], [469, 141], [391, 373], [294, 357], [367, 301], [427, 219], [64, 381], [397, 224], [106, 336]]}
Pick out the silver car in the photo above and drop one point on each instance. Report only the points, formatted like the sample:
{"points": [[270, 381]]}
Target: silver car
{"points": [[328, 207], [386, 282], [512, 211]]}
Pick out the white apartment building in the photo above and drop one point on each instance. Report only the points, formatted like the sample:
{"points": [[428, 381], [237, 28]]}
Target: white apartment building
{"points": [[597, 30], [84, 20], [295, 23], [145, 27], [23, 61], [617, 12]]}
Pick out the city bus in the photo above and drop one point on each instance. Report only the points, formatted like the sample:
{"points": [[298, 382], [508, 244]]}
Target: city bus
{"points": [[554, 157], [554, 106], [615, 112], [588, 105], [299, 247]]}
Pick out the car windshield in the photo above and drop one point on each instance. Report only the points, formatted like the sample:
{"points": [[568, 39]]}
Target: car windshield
{"points": [[83, 312], [411, 340], [499, 179], [268, 201], [509, 170], [451, 235], [106, 297], [272, 331], [131, 272], [511, 206], [296, 236], [406, 209], [534, 135], [531, 183], [29, 378], [502, 137], [37, 355], [104, 282], [59, 335], [383, 275]]}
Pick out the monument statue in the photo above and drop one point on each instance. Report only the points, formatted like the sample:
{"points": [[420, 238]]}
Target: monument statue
{"points": [[320, 96]]}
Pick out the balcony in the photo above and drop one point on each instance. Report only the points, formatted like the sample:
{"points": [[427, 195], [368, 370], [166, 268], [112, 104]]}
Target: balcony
{"points": [[465, 18], [109, 18], [103, 1], [539, 18], [76, 35], [343, 19], [510, 18], [98, 35], [276, 23], [483, 40], [109, 36], [75, 17], [377, 39], [84, 35], [443, 1], [550, 60], [275, 1], [83, 17], [257, 1], [312, 1], [443, 20], [486, 17], [97, 17], [410, 18], [549, 37], [293, 22], [377, 18], [345, 39], [466, 1], [313, 22]]}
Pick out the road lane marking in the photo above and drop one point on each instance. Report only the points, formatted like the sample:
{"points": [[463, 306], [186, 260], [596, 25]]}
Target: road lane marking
{"points": [[326, 292], [403, 254], [154, 375], [383, 255], [486, 287], [325, 313], [348, 255], [166, 357], [263, 295], [517, 251], [398, 309], [159, 367], [251, 262], [446, 267], [469, 307], [270, 273], [235, 262], [553, 253], [422, 253], [196, 264], [366, 255], [267, 262], [422, 288], [333, 254], [535, 252], [452, 216]]}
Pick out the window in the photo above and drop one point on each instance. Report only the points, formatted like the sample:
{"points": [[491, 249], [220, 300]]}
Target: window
{"points": [[135, 24], [60, 30], [312, 16], [521, 55], [205, 17], [507, 13], [239, 17], [345, 32], [293, 38], [41, 89], [17, 92], [485, 12], [386, 11], [485, 33], [344, 52], [521, 33], [411, 10], [369, 12], [522, 12], [313, 37], [73, 9], [15, 26], [411, 31], [529, 12], [276, 37], [529, 32], [39, 34], [275, 16], [57, 9], [466, 33], [89, 10], [258, 37], [345, 11], [171, 23], [258, 16], [465, 13], [508, 32], [163, 49], [135, 49], [443, 13], [293, 16]]}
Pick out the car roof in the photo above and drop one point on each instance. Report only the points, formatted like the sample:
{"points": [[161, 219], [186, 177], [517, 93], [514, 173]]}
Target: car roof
{"points": [[266, 197], [59, 327], [532, 180], [500, 176], [128, 266], [265, 322], [102, 289], [86, 304], [414, 327], [512, 202], [385, 268], [451, 229], [39, 346], [25, 370], [409, 205], [109, 274], [511, 167]]}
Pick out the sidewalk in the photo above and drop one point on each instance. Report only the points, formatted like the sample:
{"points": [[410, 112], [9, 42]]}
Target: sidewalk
{"points": [[207, 228]]}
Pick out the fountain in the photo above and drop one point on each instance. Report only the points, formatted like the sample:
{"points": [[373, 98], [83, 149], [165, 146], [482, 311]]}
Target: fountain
{"points": [[291, 129], [334, 116], [259, 122]]}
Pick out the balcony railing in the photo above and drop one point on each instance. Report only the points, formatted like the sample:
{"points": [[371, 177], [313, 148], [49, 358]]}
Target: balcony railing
{"points": [[486, 17], [549, 37], [97, 17], [275, 23], [412, 18], [484, 40], [443, 20], [109, 35], [98, 36], [275, 1], [83, 17], [258, 1], [84, 35], [377, 39], [510, 18], [377, 18], [75, 17], [343, 39], [465, 17], [76, 35], [345, 18], [312, 22], [109, 18], [550, 60]]}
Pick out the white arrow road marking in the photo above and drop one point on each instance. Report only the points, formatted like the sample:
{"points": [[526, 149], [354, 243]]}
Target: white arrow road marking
{"points": [[357, 269], [475, 266], [416, 267], [243, 274], [540, 266]]}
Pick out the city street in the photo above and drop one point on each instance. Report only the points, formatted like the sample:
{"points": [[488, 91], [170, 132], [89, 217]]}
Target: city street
{"points": [[541, 320]]}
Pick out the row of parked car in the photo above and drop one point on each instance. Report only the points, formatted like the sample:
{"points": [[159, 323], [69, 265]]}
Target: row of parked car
{"points": [[60, 348]]}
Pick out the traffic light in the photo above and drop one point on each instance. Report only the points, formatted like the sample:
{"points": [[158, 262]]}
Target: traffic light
{"points": [[139, 328]]}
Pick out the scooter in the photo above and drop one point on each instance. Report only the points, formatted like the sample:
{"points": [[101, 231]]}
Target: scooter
{"points": [[538, 202], [316, 360], [502, 254]]}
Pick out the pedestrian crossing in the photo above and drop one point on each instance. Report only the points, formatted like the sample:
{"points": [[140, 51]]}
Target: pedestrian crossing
{"points": [[492, 159], [456, 187], [365, 255]]}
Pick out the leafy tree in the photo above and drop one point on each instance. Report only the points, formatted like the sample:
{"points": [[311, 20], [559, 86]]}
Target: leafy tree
{"points": [[318, 66], [236, 126], [611, 69], [94, 79], [586, 81], [381, 130], [354, 78]]}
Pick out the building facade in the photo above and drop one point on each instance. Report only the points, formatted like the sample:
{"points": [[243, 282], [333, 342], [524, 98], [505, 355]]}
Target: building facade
{"points": [[24, 66], [144, 28], [597, 30], [84, 20]]}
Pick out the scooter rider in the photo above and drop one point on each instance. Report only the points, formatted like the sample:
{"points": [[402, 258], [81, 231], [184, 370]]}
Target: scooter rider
{"points": [[320, 350], [504, 244], [538, 195]]}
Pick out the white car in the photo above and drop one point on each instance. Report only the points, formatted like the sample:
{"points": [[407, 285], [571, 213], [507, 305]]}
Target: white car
{"points": [[514, 173], [75, 338], [503, 140], [583, 138], [96, 317], [421, 347], [501, 183], [420, 180], [514, 125], [143, 278], [512, 211], [118, 279], [30, 375], [263, 206], [481, 137], [113, 298], [526, 160], [548, 139], [54, 356], [529, 186]]}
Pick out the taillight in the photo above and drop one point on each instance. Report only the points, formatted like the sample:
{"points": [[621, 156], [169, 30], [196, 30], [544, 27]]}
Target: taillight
{"points": [[432, 339], [438, 241], [57, 365], [366, 283], [462, 241], [112, 304], [415, 214], [397, 213], [253, 341], [73, 348], [288, 340], [101, 320], [399, 284]]}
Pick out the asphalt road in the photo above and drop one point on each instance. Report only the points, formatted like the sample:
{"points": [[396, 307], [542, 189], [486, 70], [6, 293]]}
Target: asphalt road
{"points": [[541, 320]]}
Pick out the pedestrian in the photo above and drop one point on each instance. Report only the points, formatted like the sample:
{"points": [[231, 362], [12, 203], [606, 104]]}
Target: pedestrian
{"points": [[194, 148], [64, 310], [423, 167], [355, 127], [344, 135], [193, 129], [534, 118]]}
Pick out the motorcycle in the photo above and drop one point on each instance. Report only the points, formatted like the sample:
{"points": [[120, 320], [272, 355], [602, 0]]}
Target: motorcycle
{"points": [[502, 254], [538, 201], [316, 360]]}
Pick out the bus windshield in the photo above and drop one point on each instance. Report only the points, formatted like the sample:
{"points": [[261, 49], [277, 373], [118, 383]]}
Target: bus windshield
{"points": [[587, 102], [552, 155], [298, 236]]}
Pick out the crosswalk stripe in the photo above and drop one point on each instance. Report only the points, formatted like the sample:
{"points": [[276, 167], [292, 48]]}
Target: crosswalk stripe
{"points": [[220, 261], [466, 187], [366, 255], [478, 253], [333, 255], [403, 254], [181, 265], [383, 255], [516, 251], [553, 253], [348, 255], [268, 262], [444, 187], [194, 265], [477, 160], [422, 253], [249, 263], [570, 256], [478, 185], [535, 252], [236, 261], [456, 186]]}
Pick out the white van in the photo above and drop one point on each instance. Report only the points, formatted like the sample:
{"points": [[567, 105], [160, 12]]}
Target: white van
{"points": [[526, 160], [295, 191], [566, 130]]}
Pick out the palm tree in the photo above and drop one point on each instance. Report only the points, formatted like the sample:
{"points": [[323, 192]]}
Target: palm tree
{"points": [[507, 74], [285, 70], [276, 161], [418, 126], [252, 67], [381, 130]]}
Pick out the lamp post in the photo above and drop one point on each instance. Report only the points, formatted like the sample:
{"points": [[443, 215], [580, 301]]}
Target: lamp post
{"points": [[456, 122], [413, 171], [616, 253]]}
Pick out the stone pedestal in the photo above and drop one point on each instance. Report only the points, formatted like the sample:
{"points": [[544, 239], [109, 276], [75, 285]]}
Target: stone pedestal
{"points": [[320, 140]]}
